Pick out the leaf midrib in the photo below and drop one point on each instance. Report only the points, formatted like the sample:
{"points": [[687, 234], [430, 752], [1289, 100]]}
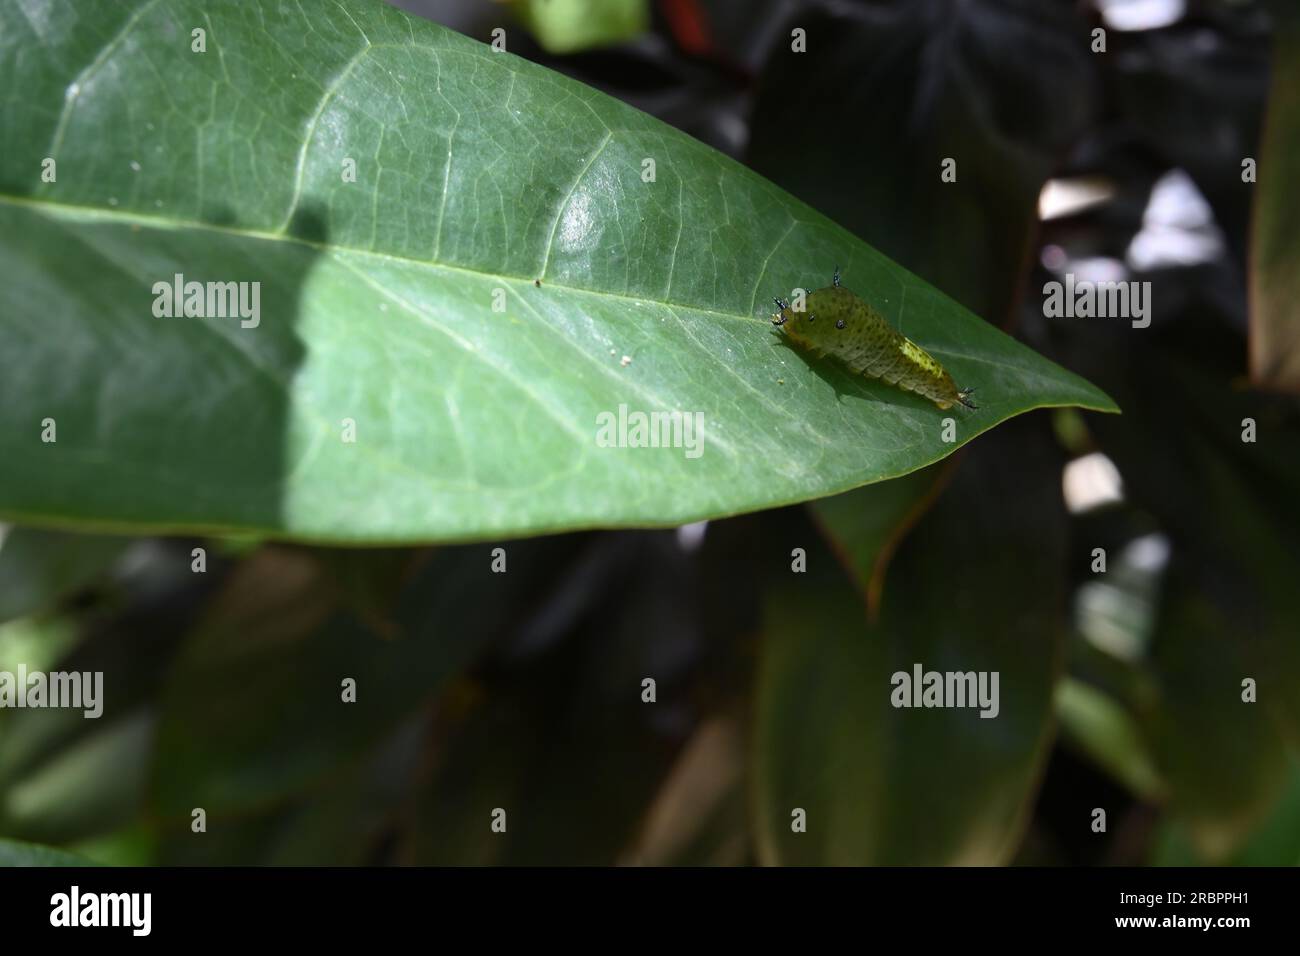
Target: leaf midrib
{"points": [[162, 223]]}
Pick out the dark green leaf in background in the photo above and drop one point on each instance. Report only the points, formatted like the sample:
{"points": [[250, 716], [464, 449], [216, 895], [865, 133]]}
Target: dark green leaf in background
{"points": [[14, 853], [1275, 282], [1228, 605], [37, 568], [253, 710], [885, 785], [998, 90]]}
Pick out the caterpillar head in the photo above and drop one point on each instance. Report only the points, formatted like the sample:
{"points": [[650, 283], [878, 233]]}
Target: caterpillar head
{"points": [[793, 322], [784, 313], [802, 326]]}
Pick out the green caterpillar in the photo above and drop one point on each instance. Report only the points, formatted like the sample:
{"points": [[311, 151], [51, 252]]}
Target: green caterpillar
{"points": [[837, 323]]}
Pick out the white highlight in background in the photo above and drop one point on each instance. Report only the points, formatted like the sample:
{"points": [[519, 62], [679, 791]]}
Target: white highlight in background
{"points": [[1090, 482], [1135, 15], [691, 536], [1178, 227]]}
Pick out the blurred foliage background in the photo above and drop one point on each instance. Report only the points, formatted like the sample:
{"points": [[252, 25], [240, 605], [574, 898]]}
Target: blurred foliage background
{"points": [[1120, 690]]}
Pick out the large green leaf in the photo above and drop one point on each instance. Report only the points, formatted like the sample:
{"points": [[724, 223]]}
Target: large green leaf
{"points": [[476, 174]]}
